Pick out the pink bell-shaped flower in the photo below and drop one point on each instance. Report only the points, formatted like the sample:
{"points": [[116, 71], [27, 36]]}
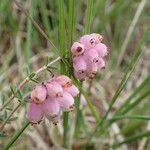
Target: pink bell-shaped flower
{"points": [[73, 90], [79, 64], [66, 102], [101, 49], [98, 38], [54, 89], [51, 108], [88, 41], [77, 49], [91, 56], [38, 94], [35, 113], [63, 80]]}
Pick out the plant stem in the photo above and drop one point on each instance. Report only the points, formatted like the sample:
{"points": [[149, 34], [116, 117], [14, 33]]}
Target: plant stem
{"points": [[16, 136]]}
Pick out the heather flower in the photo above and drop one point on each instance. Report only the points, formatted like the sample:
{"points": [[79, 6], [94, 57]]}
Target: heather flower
{"points": [[52, 97], [91, 60], [38, 94], [66, 102], [77, 49], [35, 113], [101, 49], [97, 37], [54, 89], [88, 41], [79, 64], [73, 90], [63, 80], [51, 109]]}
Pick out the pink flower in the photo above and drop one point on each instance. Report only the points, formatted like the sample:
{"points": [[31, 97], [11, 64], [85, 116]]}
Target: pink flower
{"points": [[88, 41], [63, 80], [101, 63], [54, 89], [79, 64], [66, 102], [91, 56], [35, 113], [98, 38], [77, 49], [80, 76], [92, 69], [101, 49], [73, 90], [51, 109], [38, 94]]}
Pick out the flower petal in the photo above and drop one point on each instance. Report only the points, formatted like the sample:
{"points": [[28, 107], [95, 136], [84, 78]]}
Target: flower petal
{"points": [[35, 113], [66, 102], [77, 49], [54, 89], [101, 49], [73, 90], [38, 94]]}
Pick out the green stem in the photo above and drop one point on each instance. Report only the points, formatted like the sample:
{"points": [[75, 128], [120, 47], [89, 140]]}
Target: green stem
{"points": [[133, 138], [16, 136]]}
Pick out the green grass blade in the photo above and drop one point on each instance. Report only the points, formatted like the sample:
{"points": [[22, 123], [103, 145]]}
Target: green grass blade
{"points": [[133, 138], [133, 95], [16, 136], [140, 117], [88, 17], [126, 76]]}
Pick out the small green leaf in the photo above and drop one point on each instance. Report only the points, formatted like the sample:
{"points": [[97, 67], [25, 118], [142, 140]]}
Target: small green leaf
{"points": [[32, 75], [46, 61]]}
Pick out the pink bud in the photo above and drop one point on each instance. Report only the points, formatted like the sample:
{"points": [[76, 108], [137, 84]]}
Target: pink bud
{"points": [[73, 90], [88, 41], [51, 109], [101, 49], [80, 76], [79, 64], [66, 102], [91, 56], [64, 81], [38, 94], [35, 113], [77, 49], [98, 38], [54, 89]]}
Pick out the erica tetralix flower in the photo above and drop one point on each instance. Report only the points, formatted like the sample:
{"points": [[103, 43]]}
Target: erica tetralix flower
{"points": [[77, 49], [92, 59], [38, 94], [50, 98]]}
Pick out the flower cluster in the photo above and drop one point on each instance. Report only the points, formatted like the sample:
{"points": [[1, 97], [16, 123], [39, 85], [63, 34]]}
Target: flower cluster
{"points": [[88, 56], [51, 97]]}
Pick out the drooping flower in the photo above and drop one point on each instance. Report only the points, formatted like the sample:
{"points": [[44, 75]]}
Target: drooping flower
{"points": [[38, 94], [92, 60], [66, 102], [54, 89], [73, 90], [52, 97], [35, 113], [77, 49]]}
